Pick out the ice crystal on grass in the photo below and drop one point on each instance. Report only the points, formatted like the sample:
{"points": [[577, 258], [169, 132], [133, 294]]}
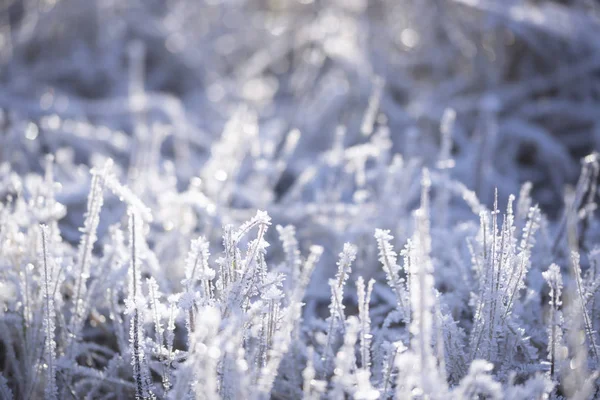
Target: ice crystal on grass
{"points": [[51, 390], [135, 306], [555, 329], [336, 307]]}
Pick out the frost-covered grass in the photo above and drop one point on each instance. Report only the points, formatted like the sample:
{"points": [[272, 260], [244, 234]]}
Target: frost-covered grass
{"points": [[499, 308], [296, 199]]}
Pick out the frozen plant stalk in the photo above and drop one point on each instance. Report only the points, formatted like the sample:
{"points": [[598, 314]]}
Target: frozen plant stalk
{"points": [[336, 307], [423, 300], [86, 245], [554, 279], [51, 390], [345, 362], [197, 269], [388, 258], [134, 306], [364, 297]]}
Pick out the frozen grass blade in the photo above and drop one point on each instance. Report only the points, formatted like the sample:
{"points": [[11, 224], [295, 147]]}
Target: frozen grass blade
{"points": [[86, 246], [555, 330], [51, 389], [134, 306]]}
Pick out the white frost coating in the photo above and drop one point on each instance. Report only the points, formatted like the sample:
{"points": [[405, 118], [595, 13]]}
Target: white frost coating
{"points": [[420, 123]]}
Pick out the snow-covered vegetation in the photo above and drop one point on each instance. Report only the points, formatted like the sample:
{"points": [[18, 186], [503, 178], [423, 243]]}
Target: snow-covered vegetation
{"points": [[299, 199]]}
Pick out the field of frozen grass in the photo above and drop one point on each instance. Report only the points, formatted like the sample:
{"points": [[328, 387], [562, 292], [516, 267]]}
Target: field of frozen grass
{"points": [[299, 199]]}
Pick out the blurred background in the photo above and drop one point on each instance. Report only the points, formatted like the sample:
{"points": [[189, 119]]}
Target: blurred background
{"points": [[293, 106]]}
